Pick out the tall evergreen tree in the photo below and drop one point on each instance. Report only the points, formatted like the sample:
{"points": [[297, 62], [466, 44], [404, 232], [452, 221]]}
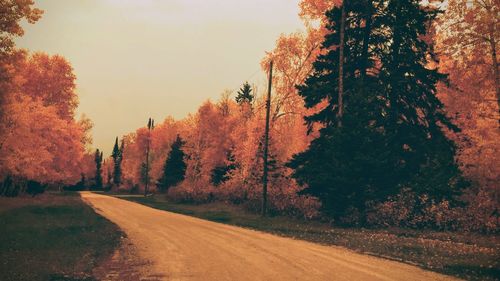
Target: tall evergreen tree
{"points": [[174, 168], [117, 161], [244, 94], [414, 115], [390, 135], [98, 170]]}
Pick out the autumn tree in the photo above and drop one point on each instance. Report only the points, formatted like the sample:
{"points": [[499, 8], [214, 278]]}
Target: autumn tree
{"points": [[175, 166], [54, 145], [51, 150], [469, 32], [98, 170], [60, 93], [464, 35], [11, 14], [292, 58], [467, 37]]}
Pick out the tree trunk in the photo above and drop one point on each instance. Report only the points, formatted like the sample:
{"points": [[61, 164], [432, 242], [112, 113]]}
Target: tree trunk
{"points": [[147, 169], [266, 142], [366, 40], [341, 66], [495, 68]]}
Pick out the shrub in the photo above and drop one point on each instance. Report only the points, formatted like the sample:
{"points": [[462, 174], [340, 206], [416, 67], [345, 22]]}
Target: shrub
{"points": [[478, 212], [33, 188]]}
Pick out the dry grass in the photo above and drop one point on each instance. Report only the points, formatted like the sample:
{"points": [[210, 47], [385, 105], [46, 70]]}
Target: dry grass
{"points": [[52, 237]]}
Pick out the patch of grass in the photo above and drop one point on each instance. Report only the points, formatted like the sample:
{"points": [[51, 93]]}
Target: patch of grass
{"points": [[53, 237], [466, 255]]}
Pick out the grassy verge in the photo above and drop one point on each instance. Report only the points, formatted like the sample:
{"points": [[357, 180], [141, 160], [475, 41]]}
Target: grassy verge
{"points": [[465, 255], [52, 237]]}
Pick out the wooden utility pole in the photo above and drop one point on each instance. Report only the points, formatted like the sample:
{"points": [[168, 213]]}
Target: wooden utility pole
{"points": [[151, 125], [341, 66], [266, 141]]}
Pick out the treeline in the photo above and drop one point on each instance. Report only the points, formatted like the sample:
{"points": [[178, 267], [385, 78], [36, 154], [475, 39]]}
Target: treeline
{"points": [[41, 142], [215, 154], [412, 146]]}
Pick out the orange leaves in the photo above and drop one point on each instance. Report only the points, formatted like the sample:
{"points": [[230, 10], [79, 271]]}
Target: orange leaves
{"points": [[311, 10], [464, 38], [467, 27], [50, 79], [13, 11], [293, 57], [38, 145], [40, 139]]}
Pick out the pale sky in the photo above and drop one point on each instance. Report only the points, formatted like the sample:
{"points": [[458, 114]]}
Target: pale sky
{"points": [[139, 58]]}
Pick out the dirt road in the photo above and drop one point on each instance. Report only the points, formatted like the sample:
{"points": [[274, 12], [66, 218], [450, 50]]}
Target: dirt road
{"points": [[186, 248]]}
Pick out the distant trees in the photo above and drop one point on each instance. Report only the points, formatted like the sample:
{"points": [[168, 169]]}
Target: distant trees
{"points": [[175, 167]]}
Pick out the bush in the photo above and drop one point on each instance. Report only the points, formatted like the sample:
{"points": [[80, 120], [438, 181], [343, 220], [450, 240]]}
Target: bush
{"points": [[34, 188], [191, 192], [478, 212], [282, 196], [13, 187]]}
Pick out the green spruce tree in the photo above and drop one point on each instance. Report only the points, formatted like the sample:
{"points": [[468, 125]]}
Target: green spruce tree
{"points": [[245, 94], [414, 118], [174, 168], [221, 173], [390, 132]]}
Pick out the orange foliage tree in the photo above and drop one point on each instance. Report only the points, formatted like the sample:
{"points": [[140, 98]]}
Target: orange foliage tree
{"points": [[469, 32], [467, 36], [41, 140]]}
